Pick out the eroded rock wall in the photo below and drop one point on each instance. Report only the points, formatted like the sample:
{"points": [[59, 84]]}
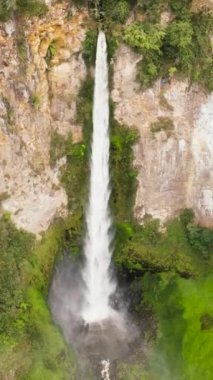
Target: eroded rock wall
{"points": [[175, 166], [41, 70]]}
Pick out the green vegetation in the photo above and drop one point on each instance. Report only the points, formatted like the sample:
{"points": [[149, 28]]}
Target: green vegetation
{"points": [[152, 261], [184, 342], [30, 344], [3, 196], [163, 124], [152, 9], [35, 100], [115, 12], [80, 3], [164, 102], [89, 47], [26, 8], [200, 238], [144, 37], [58, 147], [30, 8], [122, 171], [132, 372], [140, 249], [90, 43], [13, 247], [168, 278], [74, 179], [183, 46], [180, 7], [74, 174], [22, 47], [51, 52], [10, 113], [167, 272], [120, 11]]}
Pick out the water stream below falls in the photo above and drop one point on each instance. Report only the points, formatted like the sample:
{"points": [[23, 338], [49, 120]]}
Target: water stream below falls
{"points": [[80, 297]]}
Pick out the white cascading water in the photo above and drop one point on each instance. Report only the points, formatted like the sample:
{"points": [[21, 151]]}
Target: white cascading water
{"points": [[82, 309], [97, 250]]}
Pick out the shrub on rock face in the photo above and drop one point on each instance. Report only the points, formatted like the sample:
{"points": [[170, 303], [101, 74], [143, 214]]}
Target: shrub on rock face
{"points": [[152, 9], [200, 238], [179, 43], [162, 124], [120, 11], [79, 2], [144, 37], [89, 47], [4, 11], [31, 8], [179, 5], [180, 34], [26, 8]]}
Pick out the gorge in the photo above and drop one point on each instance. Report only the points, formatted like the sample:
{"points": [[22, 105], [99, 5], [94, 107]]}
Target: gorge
{"points": [[151, 171]]}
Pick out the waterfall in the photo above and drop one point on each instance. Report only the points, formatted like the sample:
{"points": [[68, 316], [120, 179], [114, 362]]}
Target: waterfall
{"points": [[97, 245], [80, 302]]}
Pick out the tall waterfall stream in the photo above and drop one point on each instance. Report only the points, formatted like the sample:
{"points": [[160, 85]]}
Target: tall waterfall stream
{"points": [[98, 239], [80, 298]]}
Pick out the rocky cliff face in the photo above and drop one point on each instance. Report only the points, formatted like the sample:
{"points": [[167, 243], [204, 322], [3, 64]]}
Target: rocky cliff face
{"points": [[41, 70], [174, 154]]}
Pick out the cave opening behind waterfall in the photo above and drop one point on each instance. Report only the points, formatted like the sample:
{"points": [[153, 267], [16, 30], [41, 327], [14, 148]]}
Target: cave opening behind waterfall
{"points": [[83, 296]]}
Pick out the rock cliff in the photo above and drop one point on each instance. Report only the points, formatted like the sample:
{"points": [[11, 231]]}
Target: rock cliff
{"points": [[174, 154], [41, 70]]}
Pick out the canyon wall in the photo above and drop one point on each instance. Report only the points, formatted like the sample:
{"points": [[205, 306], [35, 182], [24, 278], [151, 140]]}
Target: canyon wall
{"points": [[174, 153], [41, 70]]}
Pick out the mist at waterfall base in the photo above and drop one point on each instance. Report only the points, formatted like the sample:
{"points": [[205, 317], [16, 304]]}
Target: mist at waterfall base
{"points": [[98, 343], [83, 299]]}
